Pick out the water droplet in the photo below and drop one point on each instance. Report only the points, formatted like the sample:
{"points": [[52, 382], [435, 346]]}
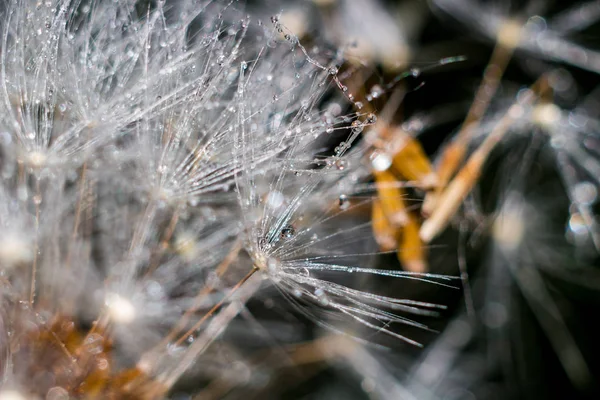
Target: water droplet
{"points": [[577, 224], [356, 126], [341, 164], [585, 193], [94, 343], [322, 297], [371, 118], [174, 349], [288, 232], [56, 393], [343, 202], [376, 91], [380, 161]]}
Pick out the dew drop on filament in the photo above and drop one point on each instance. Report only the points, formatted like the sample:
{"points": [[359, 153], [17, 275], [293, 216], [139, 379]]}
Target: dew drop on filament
{"points": [[322, 297], [288, 232], [343, 202]]}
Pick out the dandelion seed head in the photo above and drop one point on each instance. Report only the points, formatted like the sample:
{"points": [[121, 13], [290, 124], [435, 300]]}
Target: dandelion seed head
{"points": [[182, 147]]}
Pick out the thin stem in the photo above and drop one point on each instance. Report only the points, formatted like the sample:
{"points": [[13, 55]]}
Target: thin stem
{"points": [[221, 269], [36, 201], [244, 290], [216, 307]]}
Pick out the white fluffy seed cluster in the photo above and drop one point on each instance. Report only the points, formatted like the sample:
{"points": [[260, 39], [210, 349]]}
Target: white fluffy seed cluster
{"points": [[153, 155]]}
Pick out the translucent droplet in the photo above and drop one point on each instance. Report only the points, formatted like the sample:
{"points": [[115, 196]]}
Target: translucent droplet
{"points": [[341, 164], [371, 118], [275, 199], [380, 161], [356, 126], [376, 91], [94, 343], [585, 193], [56, 393], [343, 202], [174, 349], [288, 232], [322, 297], [577, 225]]}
